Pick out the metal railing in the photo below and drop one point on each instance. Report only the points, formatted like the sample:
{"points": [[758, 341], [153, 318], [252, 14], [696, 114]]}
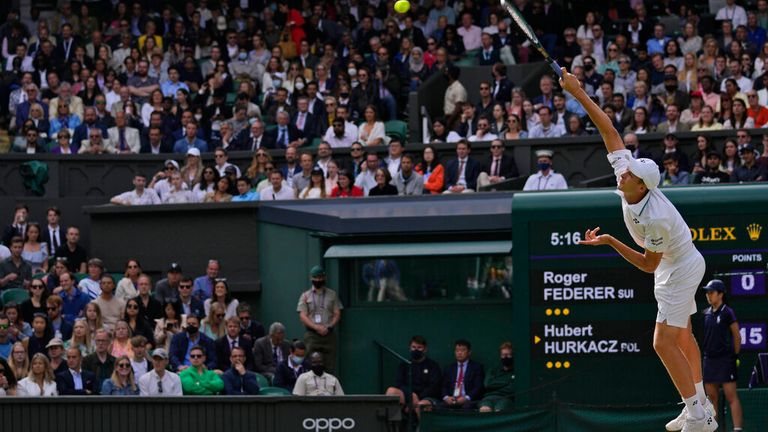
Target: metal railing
{"points": [[385, 349]]}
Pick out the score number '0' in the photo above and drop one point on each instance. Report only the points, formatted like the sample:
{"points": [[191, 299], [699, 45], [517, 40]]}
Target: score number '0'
{"points": [[565, 239]]}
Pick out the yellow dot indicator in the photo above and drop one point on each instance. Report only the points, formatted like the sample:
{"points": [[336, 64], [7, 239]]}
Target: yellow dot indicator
{"points": [[558, 365], [548, 312], [557, 312], [566, 364], [566, 311], [549, 365]]}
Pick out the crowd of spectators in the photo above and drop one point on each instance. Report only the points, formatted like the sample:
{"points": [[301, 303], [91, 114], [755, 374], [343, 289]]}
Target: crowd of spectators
{"points": [[73, 328], [187, 78]]}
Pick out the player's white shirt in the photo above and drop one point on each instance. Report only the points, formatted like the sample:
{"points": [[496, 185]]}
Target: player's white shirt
{"points": [[654, 222]]}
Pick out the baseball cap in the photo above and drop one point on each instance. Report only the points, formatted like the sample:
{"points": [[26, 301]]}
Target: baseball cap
{"points": [[713, 153], [174, 268], [747, 148], [221, 23], [715, 285], [194, 151], [545, 153], [54, 343], [317, 271], [647, 170], [230, 169], [160, 352], [697, 93], [171, 162]]}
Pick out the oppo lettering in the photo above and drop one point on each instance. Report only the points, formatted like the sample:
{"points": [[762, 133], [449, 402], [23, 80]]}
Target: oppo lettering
{"points": [[713, 234], [328, 424]]}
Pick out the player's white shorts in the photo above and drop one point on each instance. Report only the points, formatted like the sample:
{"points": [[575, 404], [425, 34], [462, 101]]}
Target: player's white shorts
{"points": [[675, 288]]}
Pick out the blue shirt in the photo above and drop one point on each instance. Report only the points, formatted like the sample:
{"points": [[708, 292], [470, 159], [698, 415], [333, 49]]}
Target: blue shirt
{"points": [[656, 46], [169, 88], [5, 348], [249, 196], [77, 378], [190, 345], [73, 306], [718, 339], [203, 288], [183, 145], [58, 124]]}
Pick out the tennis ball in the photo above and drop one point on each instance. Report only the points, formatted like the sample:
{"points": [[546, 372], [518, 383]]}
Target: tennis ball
{"points": [[402, 6]]}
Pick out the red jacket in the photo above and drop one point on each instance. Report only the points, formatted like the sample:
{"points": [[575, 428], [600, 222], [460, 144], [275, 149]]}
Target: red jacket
{"points": [[436, 179], [354, 193]]}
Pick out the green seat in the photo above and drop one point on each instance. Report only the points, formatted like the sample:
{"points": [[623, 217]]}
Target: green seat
{"points": [[16, 295], [396, 128], [262, 380], [80, 276], [273, 391], [466, 61], [231, 98], [315, 142], [269, 128]]}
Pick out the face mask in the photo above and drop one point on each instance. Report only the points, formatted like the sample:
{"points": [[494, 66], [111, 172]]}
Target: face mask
{"points": [[589, 67], [192, 330], [352, 72], [318, 369], [297, 360], [630, 147], [198, 117], [344, 95], [544, 166], [318, 283], [417, 354], [507, 362], [670, 88], [242, 56], [299, 85], [277, 82]]}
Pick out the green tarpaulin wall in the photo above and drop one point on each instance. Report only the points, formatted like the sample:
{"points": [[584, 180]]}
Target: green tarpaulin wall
{"points": [[564, 417]]}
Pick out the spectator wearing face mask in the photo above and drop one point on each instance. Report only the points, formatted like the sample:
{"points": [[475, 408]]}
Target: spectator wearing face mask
{"points": [[500, 382], [546, 178], [426, 378], [317, 382]]}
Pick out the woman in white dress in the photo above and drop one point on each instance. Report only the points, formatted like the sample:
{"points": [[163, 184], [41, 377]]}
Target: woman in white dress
{"points": [[40, 381]]}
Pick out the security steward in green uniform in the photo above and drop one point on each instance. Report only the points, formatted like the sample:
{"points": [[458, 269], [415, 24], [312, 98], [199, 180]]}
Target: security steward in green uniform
{"points": [[319, 309]]}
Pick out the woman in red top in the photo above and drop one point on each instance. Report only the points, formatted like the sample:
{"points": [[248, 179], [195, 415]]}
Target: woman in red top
{"points": [[432, 170], [294, 21], [345, 187]]}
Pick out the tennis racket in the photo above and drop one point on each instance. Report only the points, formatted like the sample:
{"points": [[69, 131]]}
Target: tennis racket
{"points": [[528, 31]]}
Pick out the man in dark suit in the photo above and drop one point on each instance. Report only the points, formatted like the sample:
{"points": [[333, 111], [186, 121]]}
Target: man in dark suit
{"points": [[54, 233], [65, 49], [288, 371], [623, 114], [270, 350], [304, 120], [75, 380], [462, 380], [501, 88], [181, 341], [155, 142], [461, 173], [250, 329], [230, 340], [488, 53], [498, 167], [19, 225], [254, 138], [286, 134], [90, 122]]}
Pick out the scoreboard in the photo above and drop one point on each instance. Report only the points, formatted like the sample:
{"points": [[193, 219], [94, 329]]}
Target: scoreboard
{"points": [[588, 315]]}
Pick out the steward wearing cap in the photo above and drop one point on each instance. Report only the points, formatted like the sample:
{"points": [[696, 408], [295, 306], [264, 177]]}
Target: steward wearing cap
{"points": [[668, 252], [319, 310], [749, 171], [720, 349], [712, 173], [545, 178]]}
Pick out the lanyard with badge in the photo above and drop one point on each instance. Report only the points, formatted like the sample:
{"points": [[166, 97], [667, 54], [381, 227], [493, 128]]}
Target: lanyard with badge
{"points": [[318, 316]]}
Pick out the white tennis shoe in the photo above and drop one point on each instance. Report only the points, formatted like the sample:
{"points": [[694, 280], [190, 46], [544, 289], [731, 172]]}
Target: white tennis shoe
{"points": [[705, 424], [678, 423]]}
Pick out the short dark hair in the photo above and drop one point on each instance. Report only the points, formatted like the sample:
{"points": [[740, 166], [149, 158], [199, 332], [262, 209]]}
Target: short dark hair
{"points": [[419, 339], [298, 345], [198, 348], [668, 157], [464, 343]]}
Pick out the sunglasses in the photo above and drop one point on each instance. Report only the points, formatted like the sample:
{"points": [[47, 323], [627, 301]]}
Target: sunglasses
{"points": [[219, 315], [124, 365], [356, 149], [185, 286], [5, 326], [194, 356], [245, 318], [132, 306], [496, 147]]}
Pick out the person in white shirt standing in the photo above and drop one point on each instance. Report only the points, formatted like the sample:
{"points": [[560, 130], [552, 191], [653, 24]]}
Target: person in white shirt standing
{"points": [[546, 178], [159, 381], [733, 13], [139, 196], [655, 225]]}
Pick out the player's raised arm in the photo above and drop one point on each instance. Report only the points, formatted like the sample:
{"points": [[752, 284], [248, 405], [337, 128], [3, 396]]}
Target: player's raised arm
{"points": [[610, 135]]}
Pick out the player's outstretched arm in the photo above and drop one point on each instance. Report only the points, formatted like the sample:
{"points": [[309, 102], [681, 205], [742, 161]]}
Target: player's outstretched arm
{"points": [[610, 135], [647, 262]]}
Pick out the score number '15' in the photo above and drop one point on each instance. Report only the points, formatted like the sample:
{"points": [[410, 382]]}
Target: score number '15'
{"points": [[565, 239]]}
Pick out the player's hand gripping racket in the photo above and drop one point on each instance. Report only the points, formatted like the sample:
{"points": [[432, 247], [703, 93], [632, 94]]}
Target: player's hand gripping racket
{"points": [[528, 31]]}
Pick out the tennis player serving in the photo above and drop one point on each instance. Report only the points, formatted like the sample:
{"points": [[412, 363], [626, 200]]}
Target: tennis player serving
{"points": [[678, 268]]}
